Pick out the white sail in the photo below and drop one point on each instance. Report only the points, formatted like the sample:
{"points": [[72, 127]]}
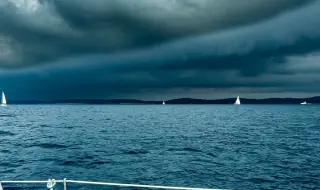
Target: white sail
{"points": [[163, 103], [3, 99], [237, 101]]}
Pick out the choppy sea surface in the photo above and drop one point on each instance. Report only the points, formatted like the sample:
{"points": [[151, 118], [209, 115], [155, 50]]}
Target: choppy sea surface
{"points": [[209, 146]]}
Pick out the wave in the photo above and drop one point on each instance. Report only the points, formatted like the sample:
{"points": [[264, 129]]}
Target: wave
{"points": [[132, 152], [100, 162], [191, 149], [70, 163], [83, 163], [49, 145], [188, 149], [211, 154], [260, 180], [8, 164], [88, 157], [7, 115], [44, 125], [48, 159], [8, 171], [6, 133], [16, 187]]}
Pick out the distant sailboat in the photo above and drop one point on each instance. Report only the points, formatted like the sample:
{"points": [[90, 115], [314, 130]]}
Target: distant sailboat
{"points": [[303, 103], [3, 100], [238, 101], [163, 103]]}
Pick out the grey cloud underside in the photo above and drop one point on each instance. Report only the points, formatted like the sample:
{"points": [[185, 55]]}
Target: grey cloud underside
{"points": [[160, 21], [71, 49], [60, 29]]}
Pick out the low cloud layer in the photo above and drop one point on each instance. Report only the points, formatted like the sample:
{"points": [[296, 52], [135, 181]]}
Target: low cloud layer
{"points": [[54, 49]]}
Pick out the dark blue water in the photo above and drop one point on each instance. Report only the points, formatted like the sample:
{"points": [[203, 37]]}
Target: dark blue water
{"points": [[213, 146]]}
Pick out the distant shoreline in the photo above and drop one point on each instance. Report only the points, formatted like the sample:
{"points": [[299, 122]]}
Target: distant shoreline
{"points": [[312, 100]]}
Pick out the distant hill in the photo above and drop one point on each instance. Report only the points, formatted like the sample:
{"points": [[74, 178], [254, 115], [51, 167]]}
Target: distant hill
{"points": [[313, 100]]}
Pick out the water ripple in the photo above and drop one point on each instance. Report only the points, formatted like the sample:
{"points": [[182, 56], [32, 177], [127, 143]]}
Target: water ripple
{"points": [[244, 147]]}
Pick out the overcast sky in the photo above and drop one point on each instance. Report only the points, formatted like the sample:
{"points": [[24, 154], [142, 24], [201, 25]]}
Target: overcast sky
{"points": [[159, 49]]}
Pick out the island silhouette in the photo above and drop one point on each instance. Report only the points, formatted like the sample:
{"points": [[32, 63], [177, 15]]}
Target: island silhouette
{"points": [[312, 100]]}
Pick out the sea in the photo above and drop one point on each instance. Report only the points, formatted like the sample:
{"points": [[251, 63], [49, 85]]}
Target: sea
{"points": [[207, 146]]}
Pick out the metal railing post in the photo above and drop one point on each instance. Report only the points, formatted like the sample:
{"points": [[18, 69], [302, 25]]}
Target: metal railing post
{"points": [[65, 184]]}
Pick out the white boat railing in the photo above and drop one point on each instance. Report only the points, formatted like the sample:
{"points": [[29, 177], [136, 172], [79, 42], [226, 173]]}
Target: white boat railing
{"points": [[52, 182]]}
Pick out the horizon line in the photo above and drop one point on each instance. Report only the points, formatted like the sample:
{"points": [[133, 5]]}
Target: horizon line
{"points": [[134, 99]]}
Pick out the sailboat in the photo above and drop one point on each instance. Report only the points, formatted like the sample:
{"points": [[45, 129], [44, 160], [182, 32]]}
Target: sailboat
{"points": [[237, 101], [303, 103], [3, 100], [163, 103]]}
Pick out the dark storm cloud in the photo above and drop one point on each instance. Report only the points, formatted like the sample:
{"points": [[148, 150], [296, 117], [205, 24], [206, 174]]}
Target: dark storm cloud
{"points": [[38, 33], [77, 49]]}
